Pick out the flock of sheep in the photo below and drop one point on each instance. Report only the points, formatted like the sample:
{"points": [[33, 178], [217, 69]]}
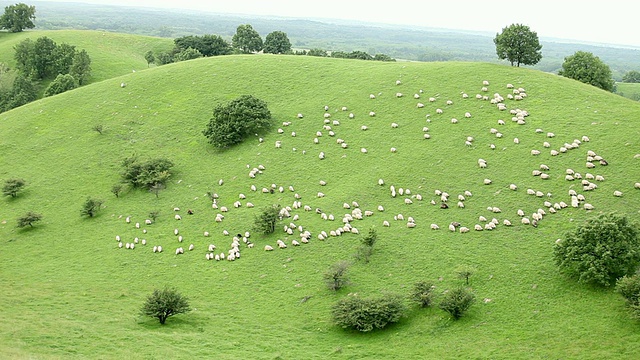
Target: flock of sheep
{"points": [[295, 233]]}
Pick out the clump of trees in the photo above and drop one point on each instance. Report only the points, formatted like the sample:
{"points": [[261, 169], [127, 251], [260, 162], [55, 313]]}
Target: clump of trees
{"points": [[632, 76], [15, 89], [367, 314], [518, 45], [360, 55], [233, 122], [146, 174], [163, 303], [265, 222], [12, 187], [600, 251], [44, 58], [18, 17], [247, 40], [589, 69]]}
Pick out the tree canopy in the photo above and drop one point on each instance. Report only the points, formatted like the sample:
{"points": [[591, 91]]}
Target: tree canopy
{"points": [[18, 17], [277, 42], [233, 122], [519, 45], [164, 303], [600, 251], [246, 39], [207, 45], [589, 69], [61, 84], [632, 76]]}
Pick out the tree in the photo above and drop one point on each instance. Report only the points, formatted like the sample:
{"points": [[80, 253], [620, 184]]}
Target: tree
{"points": [[246, 39], [164, 303], [44, 57], [98, 128], [24, 55], [317, 52], [63, 58], [600, 251], [18, 17], [629, 288], [22, 92], [116, 190], [214, 45], [464, 272], [61, 84], [149, 57], [265, 223], [163, 58], [91, 207], [81, 67], [187, 54], [589, 69], [632, 76], [367, 314], [383, 57], [519, 45], [233, 122], [422, 293], [366, 249], [277, 42], [336, 276], [146, 173], [457, 301], [12, 187], [156, 188], [28, 219]]}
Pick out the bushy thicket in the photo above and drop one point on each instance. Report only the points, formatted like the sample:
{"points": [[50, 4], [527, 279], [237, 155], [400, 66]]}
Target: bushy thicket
{"points": [[146, 173], [367, 314], [423, 293], [457, 301]]}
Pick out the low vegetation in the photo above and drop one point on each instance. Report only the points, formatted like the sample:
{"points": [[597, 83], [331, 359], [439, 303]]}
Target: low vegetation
{"points": [[457, 302], [12, 187], [367, 314]]}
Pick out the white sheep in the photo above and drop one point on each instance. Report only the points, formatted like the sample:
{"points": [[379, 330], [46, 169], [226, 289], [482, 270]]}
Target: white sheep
{"points": [[487, 181], [617, 193]]}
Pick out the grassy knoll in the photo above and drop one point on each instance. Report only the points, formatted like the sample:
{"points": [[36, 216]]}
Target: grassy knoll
{"points": [[112, 54], [70, 292]]}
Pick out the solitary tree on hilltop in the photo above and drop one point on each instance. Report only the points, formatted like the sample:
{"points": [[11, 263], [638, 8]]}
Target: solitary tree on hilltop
{"points": [[246, 39], [277, 42], [519, 45], [18, 17], [589, 69]]}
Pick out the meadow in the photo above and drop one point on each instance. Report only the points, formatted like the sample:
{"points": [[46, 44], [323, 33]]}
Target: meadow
{"points": [[70, 292]]}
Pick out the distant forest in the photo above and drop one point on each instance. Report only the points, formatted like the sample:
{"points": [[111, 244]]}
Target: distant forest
{"points": [[402, 43]]}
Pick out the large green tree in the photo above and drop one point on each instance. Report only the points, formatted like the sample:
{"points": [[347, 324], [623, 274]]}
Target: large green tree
{"points": [[81, 67], [207, 45], [277, 42], [246, 39], [519, 45], [589, 69], [600, 251], [231, 123], [18, 17]]}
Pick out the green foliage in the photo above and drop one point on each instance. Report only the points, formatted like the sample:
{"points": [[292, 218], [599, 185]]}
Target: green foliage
{"points": [[589, 69], [317, 52], [464, 272], [233, 122], [336, 276], [246, 39], [18, 17], [12, 187], [91, 207], [98, 128], [28, 219], [207, 45], [61, 84], [80, 67], [44, 58], [149, 57], [15, 90], [63, 58], [370, 238], [153, 215], [519, 45], [187, 54], [117, 189], [423, 293], [146, 174], [632, 76], [277, 42], [600, 251], [457, 301], [629, 288], [165, 303], [363, 253], [265, 222], [383, 57], [163, 58], [367, 314]]}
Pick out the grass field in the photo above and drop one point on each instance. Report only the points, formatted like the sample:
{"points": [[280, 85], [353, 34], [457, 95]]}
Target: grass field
{"points": [[112, 54], [628, 90], [69, 292]]}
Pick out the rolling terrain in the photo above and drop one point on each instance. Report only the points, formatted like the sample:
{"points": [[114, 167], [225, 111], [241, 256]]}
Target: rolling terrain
{"points": [[70, 292]]}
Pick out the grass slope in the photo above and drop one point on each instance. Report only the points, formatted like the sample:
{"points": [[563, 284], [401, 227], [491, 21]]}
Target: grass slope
{"points": [[112, 54], [69, 292]]}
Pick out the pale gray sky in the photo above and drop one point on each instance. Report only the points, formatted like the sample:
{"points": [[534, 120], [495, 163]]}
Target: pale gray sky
{"points": [[608, 21]]}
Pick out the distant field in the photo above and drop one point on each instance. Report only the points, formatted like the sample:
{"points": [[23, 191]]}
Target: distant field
{"points": [[69, 292], [111, 54], [628, 90]]}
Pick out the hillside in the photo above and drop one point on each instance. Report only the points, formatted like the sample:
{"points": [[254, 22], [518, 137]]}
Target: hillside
{"points": [[70, 292], [111, 54]]}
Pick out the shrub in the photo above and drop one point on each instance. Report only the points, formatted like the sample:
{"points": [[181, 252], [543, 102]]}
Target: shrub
{"points": [[146, 173], [370, 238], [164, 303], [98, 128], [265, 223], [91, 207], [336, 277], [61, 84], [366, 314], [629, 288], [116, 190], [233, 122], [457, 301], [464, 272], [363, 253], [599, 251], [422, 293], [12, 187], [28, 219], [154, 215]]}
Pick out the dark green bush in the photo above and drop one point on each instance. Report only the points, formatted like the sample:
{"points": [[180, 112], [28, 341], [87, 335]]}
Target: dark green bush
{"points": [[233, 122], [366, 314], [457, 301], [629, 288], [423, 294], [146, 173], [265, 222]]}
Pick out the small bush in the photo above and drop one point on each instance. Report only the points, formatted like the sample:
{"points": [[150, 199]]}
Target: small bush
{"points": [[116, 189], [422, 293], [154, 215], [164, 303], [28, 219], [370, 238], [265, 223], [146, 173], [91, 207], [363, 253], [12, 187], [61, 84], [98, 128], [366, 314], [629, 288], [336, 277], [457, 301], [464, 272]]}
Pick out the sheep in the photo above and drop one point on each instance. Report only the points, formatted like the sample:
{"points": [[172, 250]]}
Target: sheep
{"points": [[372, 114], [525, 221], [278, 144], [427, 136], [408, 201], [590, 165], [617, 193], [363, 150], [535, 152], [487, 181], [506, 222], [513, 187], [411, 225], [385, 223], [439, 111], [468, 193], [588, 206], [554, 153], [321, 156]]}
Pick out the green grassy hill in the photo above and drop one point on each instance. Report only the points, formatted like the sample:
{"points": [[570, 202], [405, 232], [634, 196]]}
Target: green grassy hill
{"points": [[70, 292], [112, 54], [628, 90]]}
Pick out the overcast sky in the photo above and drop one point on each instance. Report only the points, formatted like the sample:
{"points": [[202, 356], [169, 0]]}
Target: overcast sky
{"points": [[603, 21]]}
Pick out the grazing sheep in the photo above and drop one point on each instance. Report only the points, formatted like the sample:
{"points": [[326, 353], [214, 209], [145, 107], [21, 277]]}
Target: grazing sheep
{"points": [[535, 152], [385, 223], [506, 222], [363, 150], [513, 187], [526, 221], [588, 206], [487, 181], [617, 193], [371, 113]]}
